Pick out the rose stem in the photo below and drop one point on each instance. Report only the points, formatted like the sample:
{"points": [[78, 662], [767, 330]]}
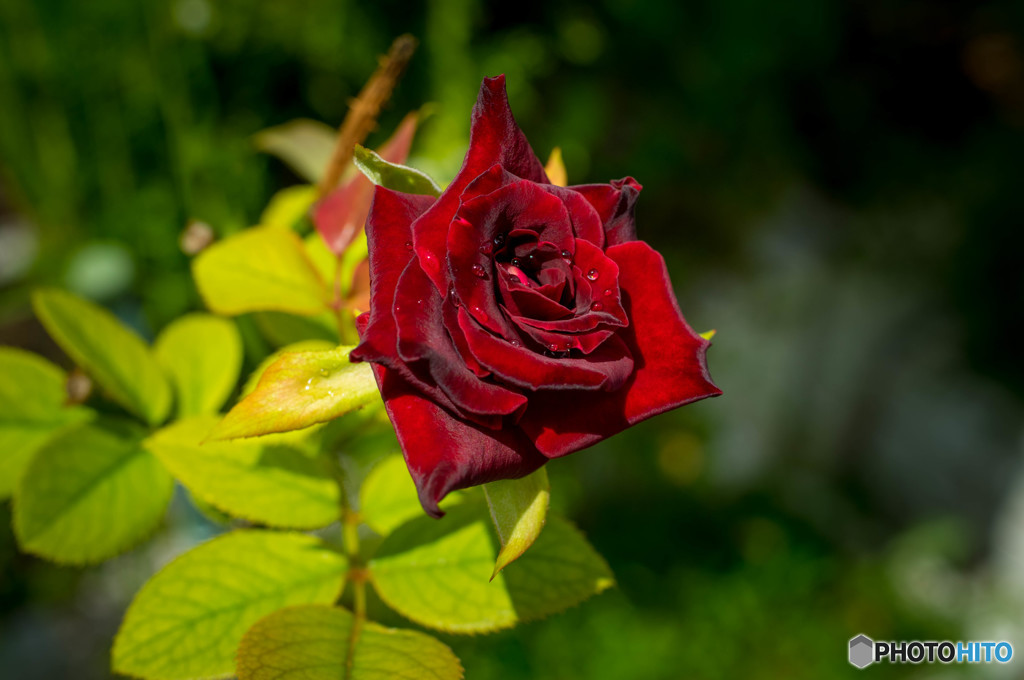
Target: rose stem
{"points": [[364, 109]]}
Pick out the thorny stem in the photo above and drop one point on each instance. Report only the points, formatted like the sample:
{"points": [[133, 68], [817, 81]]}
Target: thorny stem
{"points": [[363, 111]]}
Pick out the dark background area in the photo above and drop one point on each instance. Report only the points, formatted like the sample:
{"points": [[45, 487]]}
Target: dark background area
{"points": [[835, 185]]}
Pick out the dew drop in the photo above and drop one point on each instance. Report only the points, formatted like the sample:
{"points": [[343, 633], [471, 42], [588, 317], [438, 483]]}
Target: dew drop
{"points": [[597, 306], [324, 372], [408, 245], [487, 248], [553, 346], [517, 263], [515, 343], [498, 240], [566, 255], [609, 292], [479, 313], [531, 261], [593, 274], [454, 296], [478, 271]]}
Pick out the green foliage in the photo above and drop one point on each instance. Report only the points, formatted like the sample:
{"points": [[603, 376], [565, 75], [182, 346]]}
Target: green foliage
{"points": [[187, 621], [90, 494], [202, 354], [305, 145], [324, 643], [394, 176], [260, 269], [116, 358], [388, 499], [264, 480], [518, 508], [437, 573], [32, 411], [289, 206], [298, 390]]}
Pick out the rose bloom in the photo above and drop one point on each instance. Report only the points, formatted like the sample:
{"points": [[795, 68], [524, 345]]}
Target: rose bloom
{"points": [[513, 321]]}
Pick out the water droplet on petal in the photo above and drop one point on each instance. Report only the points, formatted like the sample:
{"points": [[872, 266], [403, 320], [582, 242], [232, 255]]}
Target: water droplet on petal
{"points": [[408, 245], [517, 263], [324, 372], [498, 240], [553, 346], [531, 261], [454, 296], [480, 313], [515, 343], [597, 306], [593, 274], [609, 292], [478, 271], [566, 255], [487, 248]]}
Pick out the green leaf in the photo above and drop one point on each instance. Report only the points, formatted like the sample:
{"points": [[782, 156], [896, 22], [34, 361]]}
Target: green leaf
{"points": [[90, 494], [282, 329], [518, 509], [436, 573], [301, 346], [202, 354], [187, 621], [305, 145], [393, 176], [32, 411], [262, 480], [299, 390], [321, 643], [388, 498], [288, 206], [116, 358], [260, 269]]}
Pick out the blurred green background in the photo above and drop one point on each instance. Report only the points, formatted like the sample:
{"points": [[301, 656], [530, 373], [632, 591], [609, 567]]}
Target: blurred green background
{"points": [[834, 184]]}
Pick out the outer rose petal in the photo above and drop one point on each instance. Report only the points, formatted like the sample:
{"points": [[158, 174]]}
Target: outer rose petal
{"points": [[387, 232], [670, 369], [494, 138], [614, 203], [444, 453]]}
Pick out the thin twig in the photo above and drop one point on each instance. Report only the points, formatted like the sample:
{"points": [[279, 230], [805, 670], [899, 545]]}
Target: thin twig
{"points": [[365, 108]]}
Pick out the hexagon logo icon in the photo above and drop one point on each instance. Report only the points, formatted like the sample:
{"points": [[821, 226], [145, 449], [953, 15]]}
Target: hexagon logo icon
{"points": [[862, 651]]}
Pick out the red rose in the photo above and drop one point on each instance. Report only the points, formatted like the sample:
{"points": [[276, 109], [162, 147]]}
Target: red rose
{"points": [[512, 321]]}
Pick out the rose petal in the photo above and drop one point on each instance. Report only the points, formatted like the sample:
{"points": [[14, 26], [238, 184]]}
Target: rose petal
{"points": [[607, 368], [423, 338], [471, 269], [614, 204], [444, 453], [586, 222], [669, 360], [494, 138]]}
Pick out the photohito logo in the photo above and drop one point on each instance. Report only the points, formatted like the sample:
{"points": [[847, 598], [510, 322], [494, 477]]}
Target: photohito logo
{"points": [[864, 651]]}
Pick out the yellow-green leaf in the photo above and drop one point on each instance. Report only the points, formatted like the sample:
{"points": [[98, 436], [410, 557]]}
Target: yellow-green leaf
{"points": [[437, 573], [555, 169], [187, 621], [116, 358], [314, 642], [32, 411], [263, 480], [298, 390], [202, 354], [259, 269], [90, 494], [288, 206], [388, 498], [518, 509], [305, 145], [392, 175], [282, 329]]}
